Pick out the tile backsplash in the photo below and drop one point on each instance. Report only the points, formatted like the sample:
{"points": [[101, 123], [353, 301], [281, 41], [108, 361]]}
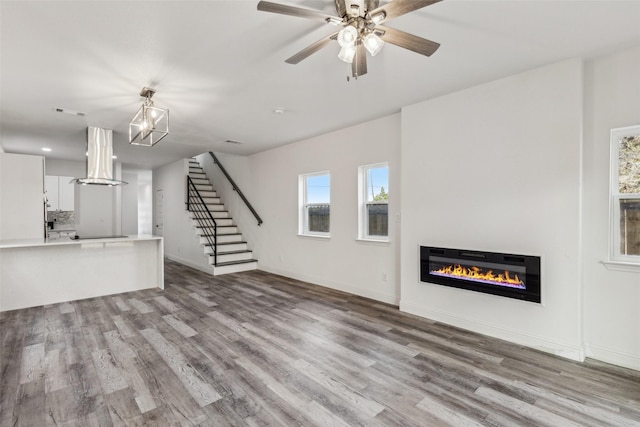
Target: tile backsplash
{"points": [[62, 219]]}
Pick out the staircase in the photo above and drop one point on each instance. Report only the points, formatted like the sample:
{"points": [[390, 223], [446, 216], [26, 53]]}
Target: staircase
{"points": [[233, 254]]}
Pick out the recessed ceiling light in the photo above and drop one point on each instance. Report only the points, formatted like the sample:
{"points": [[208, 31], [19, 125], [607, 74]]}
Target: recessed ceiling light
{"points": [[279, 110], [67, 111], [47, 149], [114, 157]]}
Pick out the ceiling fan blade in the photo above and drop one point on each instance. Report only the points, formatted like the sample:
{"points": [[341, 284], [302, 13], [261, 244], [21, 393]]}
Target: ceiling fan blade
{"points": [[400, 7], [408, 41], [341, 7], [267, 6], [310, 50], [359, 64]]}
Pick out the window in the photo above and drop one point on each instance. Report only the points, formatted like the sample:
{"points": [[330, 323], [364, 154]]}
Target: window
{"points": [[315, 207], [373, 202], [625, 194]]}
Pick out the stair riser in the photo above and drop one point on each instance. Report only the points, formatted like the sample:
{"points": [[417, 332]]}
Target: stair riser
{"points": [[232, 257], [207, 193], [214, 214], [222, 239], [220, 221], [212, 205], [202, 188], [221, 231], [200, 181], [209, 201], [213, 201], [236, 268], [231, 247]]}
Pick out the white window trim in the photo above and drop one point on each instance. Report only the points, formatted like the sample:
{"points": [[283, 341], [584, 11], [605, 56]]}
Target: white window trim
{"points": [[618, 261], [303, 225], [363, 220]]}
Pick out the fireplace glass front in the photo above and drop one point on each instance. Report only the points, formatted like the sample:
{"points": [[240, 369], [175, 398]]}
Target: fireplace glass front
{"points": [[508, 275]]}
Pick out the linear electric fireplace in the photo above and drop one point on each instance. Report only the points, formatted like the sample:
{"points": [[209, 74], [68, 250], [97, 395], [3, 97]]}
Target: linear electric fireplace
{"points": [[507, 275]]}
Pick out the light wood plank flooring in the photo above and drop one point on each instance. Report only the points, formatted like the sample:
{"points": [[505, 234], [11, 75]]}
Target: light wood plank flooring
{"points": [[256, 349]]}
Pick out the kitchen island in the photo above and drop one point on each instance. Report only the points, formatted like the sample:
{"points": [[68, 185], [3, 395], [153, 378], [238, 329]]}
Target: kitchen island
{"points": [[36, 272]]}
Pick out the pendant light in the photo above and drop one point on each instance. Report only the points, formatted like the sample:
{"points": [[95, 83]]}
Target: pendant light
{"points": [[150, 124]]}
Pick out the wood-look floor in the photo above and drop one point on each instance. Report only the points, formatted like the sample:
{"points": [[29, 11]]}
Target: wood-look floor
{"points": [[257, 349]]}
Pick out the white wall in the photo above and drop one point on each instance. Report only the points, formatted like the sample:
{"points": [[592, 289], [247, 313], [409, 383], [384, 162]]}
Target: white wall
{"points": [[21, 196], [130, 204], [612, 298], [145, 202], [270, 182], [94, 210], [497, 168], [65, 168], [180, 241]]}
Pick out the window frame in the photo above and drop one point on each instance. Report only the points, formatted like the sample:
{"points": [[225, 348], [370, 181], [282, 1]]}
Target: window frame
{"points": [[303, 206], [615, 254], [363, 202]]}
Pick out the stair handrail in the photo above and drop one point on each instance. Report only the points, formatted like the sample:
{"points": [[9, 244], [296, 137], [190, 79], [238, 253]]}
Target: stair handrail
{"points": [[235, 187], [198, 215]]}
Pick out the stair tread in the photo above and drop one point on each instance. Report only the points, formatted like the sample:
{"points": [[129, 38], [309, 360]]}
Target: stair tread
{"points": [[242, 261], [219, 226]]}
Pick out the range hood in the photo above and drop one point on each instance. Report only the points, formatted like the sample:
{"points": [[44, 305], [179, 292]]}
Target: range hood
{"points": [[99, 158]]}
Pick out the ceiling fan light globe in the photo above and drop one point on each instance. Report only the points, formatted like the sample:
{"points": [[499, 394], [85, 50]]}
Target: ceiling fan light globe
{"points": [[347, 36], [378, 17], [347, 53], [373, 43]]}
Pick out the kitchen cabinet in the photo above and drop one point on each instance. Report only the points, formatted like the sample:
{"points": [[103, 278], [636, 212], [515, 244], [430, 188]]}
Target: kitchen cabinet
{"points": [[51, 189], [60, 193]]}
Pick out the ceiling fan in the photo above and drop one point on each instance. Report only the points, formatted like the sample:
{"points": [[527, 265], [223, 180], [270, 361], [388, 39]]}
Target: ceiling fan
{"points": [[362, 29]]}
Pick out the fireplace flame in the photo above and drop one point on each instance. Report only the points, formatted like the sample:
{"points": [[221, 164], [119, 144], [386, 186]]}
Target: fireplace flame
{"points": [[477, 274]]}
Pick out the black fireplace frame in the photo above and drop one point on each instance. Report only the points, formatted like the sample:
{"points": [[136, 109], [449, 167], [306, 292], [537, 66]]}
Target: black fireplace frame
{"points": [[531, 265]]}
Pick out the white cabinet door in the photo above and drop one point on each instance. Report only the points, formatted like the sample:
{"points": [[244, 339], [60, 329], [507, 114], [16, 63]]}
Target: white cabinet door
{"points": [[52, 192], [60, 193], [66, 193]]}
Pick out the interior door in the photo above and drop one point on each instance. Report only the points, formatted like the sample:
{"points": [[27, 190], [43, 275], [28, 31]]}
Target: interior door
{"points": [[159, 208]]}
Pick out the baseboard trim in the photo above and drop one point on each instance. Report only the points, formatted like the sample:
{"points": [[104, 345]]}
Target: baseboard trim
{"points": [[378, 296], [571, 352], [618, 358], [189, 263]]}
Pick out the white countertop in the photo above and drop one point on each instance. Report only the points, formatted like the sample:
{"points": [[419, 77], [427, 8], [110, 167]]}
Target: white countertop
{"points": [[25, 243]]}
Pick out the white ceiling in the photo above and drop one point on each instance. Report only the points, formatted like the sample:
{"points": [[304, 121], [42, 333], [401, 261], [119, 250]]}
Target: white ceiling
{"points": [[219, 67]]}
